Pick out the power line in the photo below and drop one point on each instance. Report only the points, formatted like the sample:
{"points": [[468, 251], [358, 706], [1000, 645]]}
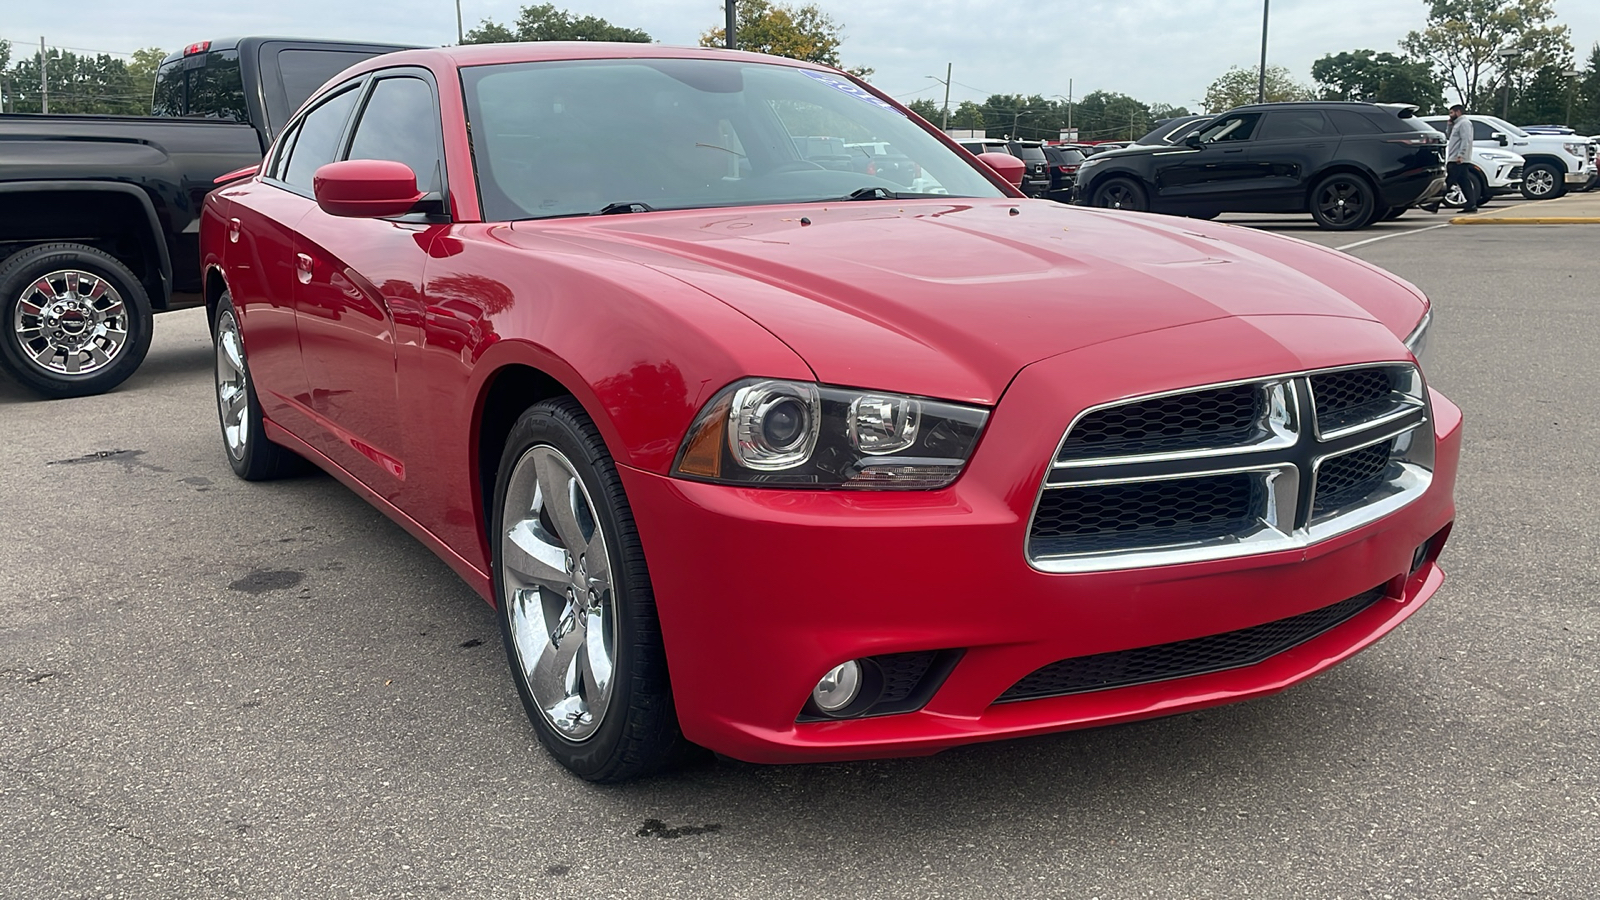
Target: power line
{"points": [[15, 43]]}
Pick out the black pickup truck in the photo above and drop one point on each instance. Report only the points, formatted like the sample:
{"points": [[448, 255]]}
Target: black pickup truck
{"points": [[99, 215]]}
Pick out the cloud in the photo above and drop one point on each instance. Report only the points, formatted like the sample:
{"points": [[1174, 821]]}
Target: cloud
{"points": [[1157, 50]]}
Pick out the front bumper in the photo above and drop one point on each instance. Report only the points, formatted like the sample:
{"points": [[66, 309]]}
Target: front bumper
{"points": [[762, 591]]}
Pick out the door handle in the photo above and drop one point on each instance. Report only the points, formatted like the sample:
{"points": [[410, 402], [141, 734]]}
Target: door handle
{"points": [[302, 265], [1235, 150]]}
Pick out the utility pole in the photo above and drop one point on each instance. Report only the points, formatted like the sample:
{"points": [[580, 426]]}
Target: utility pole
{"points": [[1261, 81], [950, 67], [1572, 83], [44, 83], [1069, 105], [461, 36], [733, 23]]}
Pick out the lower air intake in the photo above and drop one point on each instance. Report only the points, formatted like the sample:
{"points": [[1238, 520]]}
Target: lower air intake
{"points": [[1181, 659]]}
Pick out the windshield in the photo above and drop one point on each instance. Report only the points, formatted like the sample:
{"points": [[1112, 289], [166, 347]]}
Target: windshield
{"points": [[1505, 126], [581, 137]]}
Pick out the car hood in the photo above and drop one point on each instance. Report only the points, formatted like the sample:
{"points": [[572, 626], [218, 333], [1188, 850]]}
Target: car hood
{"points": [[952, 298]]}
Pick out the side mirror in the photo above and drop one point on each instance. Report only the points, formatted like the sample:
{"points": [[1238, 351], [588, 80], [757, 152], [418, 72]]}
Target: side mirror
{"points": [[1006, 166], [1501, 137], [1193, 142], [366, 188]]}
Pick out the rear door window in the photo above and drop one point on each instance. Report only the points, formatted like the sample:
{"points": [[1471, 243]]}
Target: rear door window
{"points": [[401, 123], [318, 140], [1295, 124]]}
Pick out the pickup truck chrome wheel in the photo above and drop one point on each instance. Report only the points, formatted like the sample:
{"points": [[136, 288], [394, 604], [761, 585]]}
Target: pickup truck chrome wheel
{"points": [[1539, 182], [73, 319], [557, 581], [233, 386], [71, 322]]}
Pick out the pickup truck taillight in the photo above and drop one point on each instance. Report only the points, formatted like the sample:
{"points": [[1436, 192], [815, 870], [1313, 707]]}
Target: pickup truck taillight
{"points": [[197, 47]]}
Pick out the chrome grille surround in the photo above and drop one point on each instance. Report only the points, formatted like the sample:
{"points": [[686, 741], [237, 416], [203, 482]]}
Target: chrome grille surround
{"points": [[1284, 455]]}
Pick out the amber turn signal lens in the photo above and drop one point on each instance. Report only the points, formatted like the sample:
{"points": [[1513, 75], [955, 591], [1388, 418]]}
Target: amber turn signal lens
{"points": [[703, 454]]}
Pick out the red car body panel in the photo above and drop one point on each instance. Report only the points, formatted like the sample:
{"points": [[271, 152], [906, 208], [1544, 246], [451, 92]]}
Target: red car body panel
{"points": [[375, 344]]}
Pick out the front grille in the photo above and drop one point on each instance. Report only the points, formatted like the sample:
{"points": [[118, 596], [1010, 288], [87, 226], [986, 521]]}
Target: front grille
{"points": [[1119, 517], [1350, 478], [1219, 417], [1183, 659], [1224, 471], [1516, 174], [1338, 392]]}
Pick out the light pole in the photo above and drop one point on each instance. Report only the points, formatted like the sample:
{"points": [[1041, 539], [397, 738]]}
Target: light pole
{"points": [[948, 68], [1070, 128], [461, 36], [1572, 83], [732, 14], [1261, 81], [1507, 56]]}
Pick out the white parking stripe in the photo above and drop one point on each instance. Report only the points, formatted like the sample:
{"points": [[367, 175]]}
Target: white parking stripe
{"points": [[1385, 237]]}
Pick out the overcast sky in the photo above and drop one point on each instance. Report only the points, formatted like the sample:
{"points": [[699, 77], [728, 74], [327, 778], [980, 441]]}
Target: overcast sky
{"points": [[1157, 50]]}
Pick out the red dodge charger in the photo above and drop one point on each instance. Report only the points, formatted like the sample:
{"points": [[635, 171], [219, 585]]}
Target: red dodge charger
{"points": [[765, 448]]}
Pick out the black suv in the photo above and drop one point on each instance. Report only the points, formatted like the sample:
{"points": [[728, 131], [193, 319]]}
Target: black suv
{"points": [[1348, 164]]}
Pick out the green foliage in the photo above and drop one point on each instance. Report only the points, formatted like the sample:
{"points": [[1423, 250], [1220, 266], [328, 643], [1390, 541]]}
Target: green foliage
{"points": [[99, 84], [1586, 103], [967, 115], [544, 22], [1542, 100], [1463, 39], [1380, 77], [931, 110], [1238, 87], [780, 29]]}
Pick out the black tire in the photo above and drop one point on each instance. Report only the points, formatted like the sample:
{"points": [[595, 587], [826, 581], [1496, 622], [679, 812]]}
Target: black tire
{"points": [[250, 453], [1121, 193], [1543, 181], [1343, 201], [44, 338], [638, 730]]}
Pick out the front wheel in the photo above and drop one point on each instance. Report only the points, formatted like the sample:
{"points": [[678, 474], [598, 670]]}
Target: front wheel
{"points": [[1343, 202], [74, 320], [577, 613], [1121, 193], [1543, 181]]}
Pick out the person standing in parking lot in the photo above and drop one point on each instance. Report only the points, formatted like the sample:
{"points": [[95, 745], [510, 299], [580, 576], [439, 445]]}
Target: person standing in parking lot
{"points": [[1458, 158]]}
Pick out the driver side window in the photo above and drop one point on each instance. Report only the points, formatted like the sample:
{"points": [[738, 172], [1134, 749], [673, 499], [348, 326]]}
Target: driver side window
{"points": [[1231, 129], [317, 140]]}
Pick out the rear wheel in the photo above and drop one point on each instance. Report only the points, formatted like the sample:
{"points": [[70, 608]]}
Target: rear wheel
{"points": [[577, 613], [1121, 193], [244, 437], [74, 320], [1343, 202], [1543, 181]]}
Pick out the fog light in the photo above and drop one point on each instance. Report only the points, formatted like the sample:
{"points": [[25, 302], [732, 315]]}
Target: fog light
{"points": [[838, 688]]}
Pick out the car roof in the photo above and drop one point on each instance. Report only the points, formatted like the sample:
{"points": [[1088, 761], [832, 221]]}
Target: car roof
{"points": [[468, 55]]}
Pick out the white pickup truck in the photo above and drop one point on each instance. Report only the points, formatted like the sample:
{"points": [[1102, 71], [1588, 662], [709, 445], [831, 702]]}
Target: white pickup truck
{"points": [[1498, 170], [1555, 162]]}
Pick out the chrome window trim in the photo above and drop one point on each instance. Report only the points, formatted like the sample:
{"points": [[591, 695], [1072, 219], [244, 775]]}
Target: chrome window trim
{"points": [[1290, 488]]}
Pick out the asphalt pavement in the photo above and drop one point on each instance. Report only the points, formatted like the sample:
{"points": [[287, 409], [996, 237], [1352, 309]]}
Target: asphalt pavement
{"points": [[217, 689]]}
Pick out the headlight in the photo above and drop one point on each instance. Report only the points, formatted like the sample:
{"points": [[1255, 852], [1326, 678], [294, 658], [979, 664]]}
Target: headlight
{"points": [[797, 434], [1578, 150], [1417, 341]]}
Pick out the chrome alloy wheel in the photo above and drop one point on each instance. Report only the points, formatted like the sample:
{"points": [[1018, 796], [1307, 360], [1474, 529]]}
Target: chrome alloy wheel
{"points": [[1541, 182], [233, 396], [556, 581], [1455, 196], [71, 322]]}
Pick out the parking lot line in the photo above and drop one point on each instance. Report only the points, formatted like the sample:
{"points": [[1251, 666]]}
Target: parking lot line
{"points": [[1385, 237]]}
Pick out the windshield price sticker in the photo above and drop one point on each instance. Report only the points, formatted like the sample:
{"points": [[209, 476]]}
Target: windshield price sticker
{"points": [[851, 89]]}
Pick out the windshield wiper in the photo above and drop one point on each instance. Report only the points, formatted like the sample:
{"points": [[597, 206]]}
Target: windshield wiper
{"points": [[871, 193], [617, 209]]}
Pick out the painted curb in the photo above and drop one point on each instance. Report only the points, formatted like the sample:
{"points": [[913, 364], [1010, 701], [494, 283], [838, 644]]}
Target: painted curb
{"points": [[1530, 220]]}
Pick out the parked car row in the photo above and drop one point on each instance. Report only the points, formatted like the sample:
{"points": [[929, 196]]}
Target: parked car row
{"points": [[1552, 163]]}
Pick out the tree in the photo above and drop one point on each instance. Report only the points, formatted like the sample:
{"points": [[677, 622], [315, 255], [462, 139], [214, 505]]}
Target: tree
{"points": [[967, 115], [1586, 103], [97, 84], [1463, 39], [546, 23], [928, 109], [1543, 99], [1380, 77], [797, 32], [142, 72], [1237, 87]]}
